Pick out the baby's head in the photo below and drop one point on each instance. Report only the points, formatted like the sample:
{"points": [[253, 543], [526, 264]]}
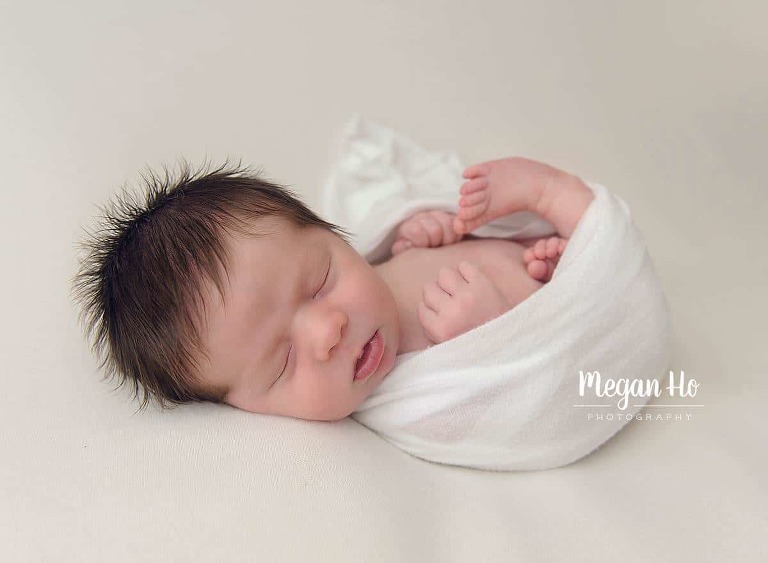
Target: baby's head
{"points": [[222, 287]]}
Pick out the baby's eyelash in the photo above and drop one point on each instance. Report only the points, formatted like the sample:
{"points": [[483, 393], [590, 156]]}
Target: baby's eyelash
{"points": [[328, 271], [288, 355], [285, 366]]}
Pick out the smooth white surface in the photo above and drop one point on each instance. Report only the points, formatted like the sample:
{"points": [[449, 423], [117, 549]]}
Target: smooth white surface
{"points": [[666, 102]]}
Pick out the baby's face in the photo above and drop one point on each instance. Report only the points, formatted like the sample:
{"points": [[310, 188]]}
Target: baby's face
{"points": [[299, 307]]}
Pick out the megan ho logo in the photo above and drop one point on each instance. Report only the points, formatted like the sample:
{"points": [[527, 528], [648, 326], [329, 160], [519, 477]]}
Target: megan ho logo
{"points": [[624, 390]]}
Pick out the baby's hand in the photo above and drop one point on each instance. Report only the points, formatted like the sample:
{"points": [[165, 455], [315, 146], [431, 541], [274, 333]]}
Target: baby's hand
{"points": [[461, 299], [425, 229]]}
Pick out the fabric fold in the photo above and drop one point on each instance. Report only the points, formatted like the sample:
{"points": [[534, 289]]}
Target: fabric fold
{"points": [[504, 395]]}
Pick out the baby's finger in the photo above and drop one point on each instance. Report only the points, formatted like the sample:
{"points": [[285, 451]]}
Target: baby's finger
{"points": [[400, 245], [446, 222], [459, 227], [434, 230], [433, 296], [449, 279], [470, 272], [415, 232]]}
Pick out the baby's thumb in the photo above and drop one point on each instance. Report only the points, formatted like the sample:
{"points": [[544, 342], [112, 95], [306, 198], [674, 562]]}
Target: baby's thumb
{"points": [[401, 245]]}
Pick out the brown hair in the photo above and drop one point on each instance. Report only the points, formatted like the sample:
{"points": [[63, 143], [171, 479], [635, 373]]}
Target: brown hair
{"points": [[140, 284]]}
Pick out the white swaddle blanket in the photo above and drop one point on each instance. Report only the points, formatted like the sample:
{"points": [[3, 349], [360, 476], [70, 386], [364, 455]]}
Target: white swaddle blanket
{"points": [[504, 395]]}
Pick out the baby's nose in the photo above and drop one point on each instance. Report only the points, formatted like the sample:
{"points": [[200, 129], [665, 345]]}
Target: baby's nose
{"points": [[329, 333]]}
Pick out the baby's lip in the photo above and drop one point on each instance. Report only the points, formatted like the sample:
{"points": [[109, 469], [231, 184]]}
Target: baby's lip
{"points": [[360, 354], [363, 345]]}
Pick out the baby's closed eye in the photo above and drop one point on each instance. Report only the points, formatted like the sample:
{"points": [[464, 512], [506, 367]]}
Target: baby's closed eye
{"points": [[325, 279], [290, 346], [285, 365]]}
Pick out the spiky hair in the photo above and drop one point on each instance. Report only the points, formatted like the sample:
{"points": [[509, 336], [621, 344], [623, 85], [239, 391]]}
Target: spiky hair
{"points": [[140, 283]]}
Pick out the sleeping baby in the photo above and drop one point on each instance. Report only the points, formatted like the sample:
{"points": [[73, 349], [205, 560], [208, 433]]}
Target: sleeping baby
{"points": [[221, 286]]}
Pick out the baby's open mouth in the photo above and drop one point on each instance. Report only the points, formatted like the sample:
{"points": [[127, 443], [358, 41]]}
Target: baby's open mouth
{"points": [[370, 357]]}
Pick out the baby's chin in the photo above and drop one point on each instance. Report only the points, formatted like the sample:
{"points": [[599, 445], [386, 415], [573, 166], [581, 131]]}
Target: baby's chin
{"points": [[371, 386], [334, 417]]}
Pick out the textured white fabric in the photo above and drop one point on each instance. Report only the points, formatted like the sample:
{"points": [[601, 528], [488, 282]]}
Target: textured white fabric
{"points": [[378, 177], [502, 396]]}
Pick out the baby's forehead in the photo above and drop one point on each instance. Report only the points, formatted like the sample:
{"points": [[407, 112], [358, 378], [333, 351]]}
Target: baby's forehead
{"points": [[274, 237], [262, 268], [270, 249], [261, 263]]}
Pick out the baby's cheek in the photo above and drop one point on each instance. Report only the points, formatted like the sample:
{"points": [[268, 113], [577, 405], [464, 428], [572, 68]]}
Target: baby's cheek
{"points": [[321, 396], [364, 282]]}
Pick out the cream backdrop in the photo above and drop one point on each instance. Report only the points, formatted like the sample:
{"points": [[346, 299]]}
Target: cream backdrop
{"points": [[665, 103]]}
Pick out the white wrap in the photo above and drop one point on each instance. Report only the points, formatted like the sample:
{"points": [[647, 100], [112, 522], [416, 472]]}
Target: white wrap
{"points": [[502, 396]]}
